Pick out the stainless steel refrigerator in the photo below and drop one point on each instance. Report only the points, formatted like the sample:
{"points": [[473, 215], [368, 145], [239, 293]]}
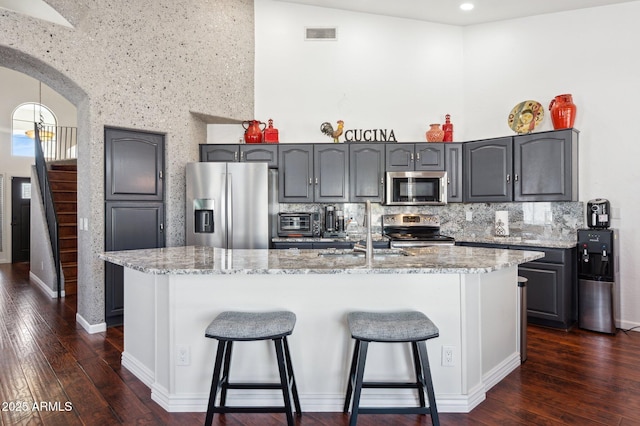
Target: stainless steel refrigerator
{"points": [[227, 205]]}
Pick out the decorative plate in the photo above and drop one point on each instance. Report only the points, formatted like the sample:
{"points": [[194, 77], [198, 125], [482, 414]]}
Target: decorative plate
{"points": [[526, 116]]}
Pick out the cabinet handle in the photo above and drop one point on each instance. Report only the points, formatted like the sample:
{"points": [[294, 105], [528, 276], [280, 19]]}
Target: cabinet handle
{"points": [[235, 156], [508, 177], [381, 180], [316, 181], [448, 181], [241, 155], [411, 157], [417, 156], [515, 177], [310, 182]]}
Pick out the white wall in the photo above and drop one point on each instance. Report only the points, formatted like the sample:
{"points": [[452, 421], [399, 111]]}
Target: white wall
{"points": [[404, 74], [17, 88]]}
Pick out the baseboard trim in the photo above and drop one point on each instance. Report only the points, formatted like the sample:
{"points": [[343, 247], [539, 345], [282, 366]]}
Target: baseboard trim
{"points": [[44, 287], [91, 328]]}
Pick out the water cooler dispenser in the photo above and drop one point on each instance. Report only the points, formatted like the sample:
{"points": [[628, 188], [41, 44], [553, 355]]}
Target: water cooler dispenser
{"points": [[598, 295]]}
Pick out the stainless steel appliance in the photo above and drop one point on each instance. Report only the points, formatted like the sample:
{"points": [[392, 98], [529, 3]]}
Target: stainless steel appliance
{"points": [[598, 297], [598, 211], [413, 230], [227, 205], [299, 224], [414, 188]]}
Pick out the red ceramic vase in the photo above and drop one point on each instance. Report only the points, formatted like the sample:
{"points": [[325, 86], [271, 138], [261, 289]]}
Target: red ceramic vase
{"points": [[435, 133], [448, 129], [563, 112]]}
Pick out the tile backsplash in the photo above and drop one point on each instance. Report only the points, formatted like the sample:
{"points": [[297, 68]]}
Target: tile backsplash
{"points": [[539, 220]]}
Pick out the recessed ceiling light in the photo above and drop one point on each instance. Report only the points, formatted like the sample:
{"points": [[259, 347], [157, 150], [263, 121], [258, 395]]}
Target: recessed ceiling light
{"points": [[466, 6]]}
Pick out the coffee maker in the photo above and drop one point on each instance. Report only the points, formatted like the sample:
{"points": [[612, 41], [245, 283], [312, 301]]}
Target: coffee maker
{"points": [[598, 295], [333, 223]]}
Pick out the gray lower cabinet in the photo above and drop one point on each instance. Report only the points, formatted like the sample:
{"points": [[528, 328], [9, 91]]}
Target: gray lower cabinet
{"points": [[313, 173], [535, 167], [453, 167], [402, 157], [233, 153], [366, 172], [551, 286]]}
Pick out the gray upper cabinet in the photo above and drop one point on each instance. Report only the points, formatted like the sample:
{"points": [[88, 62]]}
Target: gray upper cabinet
{"points": [[331, 173], [534, 167], [295, 174], [134, 163], [366, 172], [229, 153], [545, 166], [488, 167], [414, 156], [453, 167]]}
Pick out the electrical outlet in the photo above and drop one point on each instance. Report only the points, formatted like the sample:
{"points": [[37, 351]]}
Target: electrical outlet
{"points": [[183, 355], [469, 216], [447, 356]]}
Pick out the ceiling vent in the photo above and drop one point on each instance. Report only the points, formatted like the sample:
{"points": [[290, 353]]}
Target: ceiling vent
{"points": [[321, 33]]}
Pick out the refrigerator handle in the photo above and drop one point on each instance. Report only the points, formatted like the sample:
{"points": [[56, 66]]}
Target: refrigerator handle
{"points": [[229, 211], [223, 207]]}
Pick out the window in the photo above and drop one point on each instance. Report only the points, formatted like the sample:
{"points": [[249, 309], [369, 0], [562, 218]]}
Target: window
{"points": [[23, 119]]}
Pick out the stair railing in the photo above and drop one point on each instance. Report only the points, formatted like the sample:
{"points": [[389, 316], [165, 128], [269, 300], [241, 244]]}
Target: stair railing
{"points": [[49, 209], [59, 142]]}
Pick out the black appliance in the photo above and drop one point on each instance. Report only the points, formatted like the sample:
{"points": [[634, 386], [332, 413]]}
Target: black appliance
{"points": [[413, 230], [598, 298], [299, 224], [598, 213]]}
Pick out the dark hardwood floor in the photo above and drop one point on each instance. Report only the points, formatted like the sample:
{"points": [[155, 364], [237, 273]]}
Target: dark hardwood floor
{"points": [[73, 378]]}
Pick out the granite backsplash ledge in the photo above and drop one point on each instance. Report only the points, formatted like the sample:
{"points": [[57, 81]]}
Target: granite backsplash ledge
{"points": [[475, 221]]}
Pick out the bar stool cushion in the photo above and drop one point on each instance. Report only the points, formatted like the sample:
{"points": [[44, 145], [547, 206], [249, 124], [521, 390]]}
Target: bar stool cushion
{"points": [[406, 326], [233, 325]]}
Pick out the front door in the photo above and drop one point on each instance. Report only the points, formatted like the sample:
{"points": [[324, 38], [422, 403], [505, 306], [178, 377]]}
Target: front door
{"points": [[20, 219]]}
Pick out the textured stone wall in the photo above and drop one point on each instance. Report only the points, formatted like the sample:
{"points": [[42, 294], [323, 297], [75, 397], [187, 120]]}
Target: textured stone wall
{"points": [[167, 66]]}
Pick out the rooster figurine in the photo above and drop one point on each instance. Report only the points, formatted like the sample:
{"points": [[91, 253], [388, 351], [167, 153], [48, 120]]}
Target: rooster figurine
{"points": [[327, 129]]}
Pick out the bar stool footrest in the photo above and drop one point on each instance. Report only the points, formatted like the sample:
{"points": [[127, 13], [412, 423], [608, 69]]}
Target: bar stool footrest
{"points": [[394, 410]]}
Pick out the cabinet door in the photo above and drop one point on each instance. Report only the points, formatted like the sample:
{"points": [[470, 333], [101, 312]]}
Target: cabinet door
{"points": [[545, 297], [488, 170], [366, 172], [295, 177], [429, 156], [260, 153], [134, 162], [399, 157], [453, 166], [331, 172], [129, 226], [219, 153], [545, 166]]}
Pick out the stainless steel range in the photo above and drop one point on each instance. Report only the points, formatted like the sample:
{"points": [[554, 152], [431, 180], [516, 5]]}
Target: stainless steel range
{"points": [[414, 230]]}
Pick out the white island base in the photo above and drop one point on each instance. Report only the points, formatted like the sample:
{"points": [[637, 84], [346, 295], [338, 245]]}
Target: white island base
{"points": [[166, 316]]}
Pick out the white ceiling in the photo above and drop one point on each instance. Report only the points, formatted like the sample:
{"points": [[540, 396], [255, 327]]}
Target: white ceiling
{"points": [[448, 11], [441, 11]]}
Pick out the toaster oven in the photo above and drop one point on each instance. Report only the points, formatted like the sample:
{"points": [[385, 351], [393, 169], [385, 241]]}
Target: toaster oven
{"points": [[299, 224]]}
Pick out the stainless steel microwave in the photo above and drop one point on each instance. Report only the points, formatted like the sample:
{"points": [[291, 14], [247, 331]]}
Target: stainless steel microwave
{"points": [[416, 188]]}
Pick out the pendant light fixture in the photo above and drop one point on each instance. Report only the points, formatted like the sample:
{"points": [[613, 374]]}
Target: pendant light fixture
{"points": [[45, 135]]}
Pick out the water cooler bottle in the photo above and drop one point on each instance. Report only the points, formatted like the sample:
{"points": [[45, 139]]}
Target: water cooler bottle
{"points": [[598, 296]]}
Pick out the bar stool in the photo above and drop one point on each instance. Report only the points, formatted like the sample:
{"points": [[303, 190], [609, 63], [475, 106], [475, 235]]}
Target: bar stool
{"points": [[231, 326], [392, 327]]}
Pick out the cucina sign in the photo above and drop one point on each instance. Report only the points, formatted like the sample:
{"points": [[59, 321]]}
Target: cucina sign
{"points": [[369, 135]]}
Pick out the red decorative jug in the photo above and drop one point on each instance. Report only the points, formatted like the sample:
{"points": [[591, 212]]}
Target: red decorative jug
{"points": [[563, 112], [252, 131], [271, 133]]}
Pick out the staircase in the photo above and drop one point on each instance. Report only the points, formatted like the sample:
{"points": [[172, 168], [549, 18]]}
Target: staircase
{"points": [[63, 178]]}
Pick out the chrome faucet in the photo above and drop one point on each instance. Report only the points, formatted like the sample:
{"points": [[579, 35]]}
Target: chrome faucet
{"points": [[369, 247]]}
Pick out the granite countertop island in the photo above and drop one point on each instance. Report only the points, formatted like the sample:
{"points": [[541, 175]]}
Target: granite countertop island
{"points": [[171, 295], [207, 260]]}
